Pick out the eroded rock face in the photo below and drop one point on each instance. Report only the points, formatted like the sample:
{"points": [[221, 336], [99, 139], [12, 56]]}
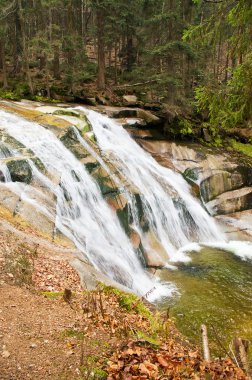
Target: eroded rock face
{"points": [[231, 202], [222, 181]]}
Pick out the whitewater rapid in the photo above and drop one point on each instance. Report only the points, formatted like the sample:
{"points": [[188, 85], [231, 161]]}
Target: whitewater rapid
{"points": [[176, 220], [81, 212]]}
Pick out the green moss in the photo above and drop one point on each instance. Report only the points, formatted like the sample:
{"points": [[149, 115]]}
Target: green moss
{"points": [[66, 113], [128, 301], [123, 216], [242, 148], [71, 333], [191, 174], [99, 374], [85, 129], [152, 340], [10, 95], [43, 99], [39, 164], [52, 295]]}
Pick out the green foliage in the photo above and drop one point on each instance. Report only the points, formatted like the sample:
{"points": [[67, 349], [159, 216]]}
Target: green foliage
{"points": [[52, 295], [185, 126], [230, 105], [153, 341], [242, 148], [9, 95]]}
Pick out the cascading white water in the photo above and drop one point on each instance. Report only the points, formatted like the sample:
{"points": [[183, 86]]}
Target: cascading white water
{"points": [[4, 172], [81, 213], [174, 215]]}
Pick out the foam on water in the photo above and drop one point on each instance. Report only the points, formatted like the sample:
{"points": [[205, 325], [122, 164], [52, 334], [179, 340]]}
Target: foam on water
{"points": [[242, 249]]}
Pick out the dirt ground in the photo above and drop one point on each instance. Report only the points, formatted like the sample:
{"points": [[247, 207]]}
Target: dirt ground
{"points": [[39, 331]]}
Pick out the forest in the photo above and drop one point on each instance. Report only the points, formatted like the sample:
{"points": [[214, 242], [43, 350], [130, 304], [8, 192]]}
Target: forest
{"points": [[193, 54]]}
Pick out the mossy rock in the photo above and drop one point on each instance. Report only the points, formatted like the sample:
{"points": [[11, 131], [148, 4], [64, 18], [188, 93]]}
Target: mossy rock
{"points": [[39, 164], [11, 141], [91, 166], [20, 171], [65, 112], [191, 175], [71, 142], [104, 181], [86, 127], [123, 216]]}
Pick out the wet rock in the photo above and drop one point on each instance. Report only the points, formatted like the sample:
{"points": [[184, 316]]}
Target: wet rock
{"points": [[101, 100], [206, 135], [231, 202], [2, 177], [130, 100], [222, 182], [8, 198], [116, 200], [148, 117], [71, 142], [91, 101], [66, 112], [135, 239], [153, 260], [20, 171], [106, 184]]}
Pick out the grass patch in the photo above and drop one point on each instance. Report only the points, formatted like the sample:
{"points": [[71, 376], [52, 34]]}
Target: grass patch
{"points": [[128, 301], [242, 148], [20, 263], [72, 333], [52, 295]]}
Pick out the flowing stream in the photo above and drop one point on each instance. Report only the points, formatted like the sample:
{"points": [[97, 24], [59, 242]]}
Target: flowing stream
{"points": [[81, 213], [175, 218]]}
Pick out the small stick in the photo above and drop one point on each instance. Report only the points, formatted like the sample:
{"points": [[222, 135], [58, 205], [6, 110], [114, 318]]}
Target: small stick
{"points": [[205, 343]]}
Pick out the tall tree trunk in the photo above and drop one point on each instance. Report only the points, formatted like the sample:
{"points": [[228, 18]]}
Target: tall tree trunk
{"points": [[25, 52], [18, 49], [115, 78], [101, 48], [3, 61], [56, 63]]}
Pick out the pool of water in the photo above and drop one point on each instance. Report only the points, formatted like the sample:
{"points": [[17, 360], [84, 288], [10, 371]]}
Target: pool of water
{"points": [[215, 289]]}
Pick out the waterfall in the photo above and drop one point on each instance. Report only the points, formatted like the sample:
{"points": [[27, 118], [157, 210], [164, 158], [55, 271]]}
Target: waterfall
{"points": [[175, 217], [4, 172], [81, 212]]}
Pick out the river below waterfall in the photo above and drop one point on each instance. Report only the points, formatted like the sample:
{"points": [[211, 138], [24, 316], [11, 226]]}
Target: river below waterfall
{"points": [[216, 290]]}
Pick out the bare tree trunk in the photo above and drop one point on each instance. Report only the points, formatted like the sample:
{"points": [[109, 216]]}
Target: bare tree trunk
{"points": [[3, 61], [101, 48], [56, 63], [50, 24], [25, 52], [115, 80]]}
